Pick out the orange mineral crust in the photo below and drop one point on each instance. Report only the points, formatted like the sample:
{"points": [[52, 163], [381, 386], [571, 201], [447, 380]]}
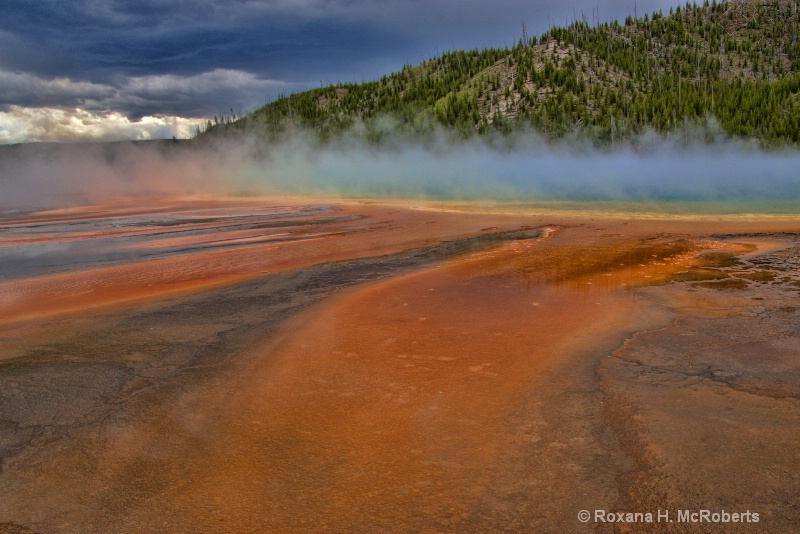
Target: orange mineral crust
{"points": [[395, 369], [415, 411]]}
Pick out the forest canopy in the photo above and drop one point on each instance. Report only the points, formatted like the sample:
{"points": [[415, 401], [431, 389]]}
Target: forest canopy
{"points": [[725, 68]]}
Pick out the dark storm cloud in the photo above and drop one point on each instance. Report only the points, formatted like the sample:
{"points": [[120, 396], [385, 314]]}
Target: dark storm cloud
{"points": [[199, 57], [106, 39]]}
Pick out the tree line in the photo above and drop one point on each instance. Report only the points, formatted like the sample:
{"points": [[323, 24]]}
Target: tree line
{"points": [[737, 62]]}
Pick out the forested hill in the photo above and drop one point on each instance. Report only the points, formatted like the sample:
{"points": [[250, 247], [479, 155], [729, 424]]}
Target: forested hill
{"points": [[733, 66]]}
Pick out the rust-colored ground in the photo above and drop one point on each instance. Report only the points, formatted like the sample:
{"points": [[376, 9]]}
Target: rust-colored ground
{"points": [[248, 367]]}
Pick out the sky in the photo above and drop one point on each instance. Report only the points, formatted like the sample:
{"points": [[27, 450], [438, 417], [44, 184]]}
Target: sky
{"points": [[147, 69]]}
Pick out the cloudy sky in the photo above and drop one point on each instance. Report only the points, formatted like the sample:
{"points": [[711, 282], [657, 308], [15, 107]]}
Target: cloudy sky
{"points": [[138, 69]]}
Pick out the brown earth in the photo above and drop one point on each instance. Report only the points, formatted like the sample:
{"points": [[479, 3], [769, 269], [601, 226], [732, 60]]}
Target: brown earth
{"points": [[365, 367]]}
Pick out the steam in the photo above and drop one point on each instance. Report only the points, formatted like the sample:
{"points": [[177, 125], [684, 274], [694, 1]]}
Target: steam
{"points": [[727, 175]]}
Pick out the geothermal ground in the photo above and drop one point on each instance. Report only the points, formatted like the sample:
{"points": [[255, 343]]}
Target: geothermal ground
{"points": [[269, 366]]}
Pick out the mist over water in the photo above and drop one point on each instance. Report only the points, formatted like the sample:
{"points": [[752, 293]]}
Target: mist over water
{"points": [[657, 176]]}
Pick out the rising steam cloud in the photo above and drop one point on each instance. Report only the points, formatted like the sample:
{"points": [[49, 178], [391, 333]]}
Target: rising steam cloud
{"points": [[40, 176]]}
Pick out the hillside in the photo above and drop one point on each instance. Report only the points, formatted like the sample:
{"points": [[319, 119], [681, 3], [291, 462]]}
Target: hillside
{"points": [[731, 66]]}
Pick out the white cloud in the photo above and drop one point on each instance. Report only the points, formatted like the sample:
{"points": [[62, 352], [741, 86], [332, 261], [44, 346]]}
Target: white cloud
{"points": [[19, 125], [210, 82], [142, 107], [19, 87]]}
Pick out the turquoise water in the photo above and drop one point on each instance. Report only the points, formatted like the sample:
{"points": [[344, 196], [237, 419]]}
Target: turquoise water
{"points": [[659, 207], [708, 180], [672, 182]]}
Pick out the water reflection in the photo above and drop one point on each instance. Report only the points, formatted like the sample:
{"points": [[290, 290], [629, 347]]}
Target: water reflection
{"points": [[53, 242]]}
